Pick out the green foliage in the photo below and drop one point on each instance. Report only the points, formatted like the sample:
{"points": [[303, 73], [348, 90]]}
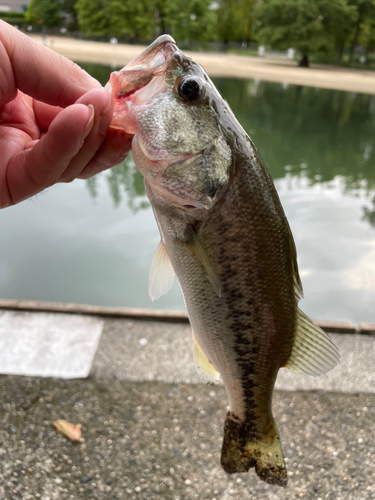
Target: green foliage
{"points": [[68, 8], [94, 16], [310, 26], [192, 20], [48, 13], [14, 18], [363, 28], [146, 19], [134, 18], [366, 36], [234, 20], [365, 9]]}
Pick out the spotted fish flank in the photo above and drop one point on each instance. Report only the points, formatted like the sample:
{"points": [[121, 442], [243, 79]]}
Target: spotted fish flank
{"points": [[225, 235]]}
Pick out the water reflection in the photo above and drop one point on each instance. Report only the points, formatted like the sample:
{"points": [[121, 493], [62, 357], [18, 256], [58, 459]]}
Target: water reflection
{"points": [[369, 213], [125, 183]]}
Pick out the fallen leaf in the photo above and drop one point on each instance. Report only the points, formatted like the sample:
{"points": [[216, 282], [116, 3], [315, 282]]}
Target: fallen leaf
{"points": [[71, 431]]}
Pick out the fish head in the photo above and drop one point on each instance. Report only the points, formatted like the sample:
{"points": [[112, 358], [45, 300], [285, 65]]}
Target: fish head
{"points": [[176, 115]]}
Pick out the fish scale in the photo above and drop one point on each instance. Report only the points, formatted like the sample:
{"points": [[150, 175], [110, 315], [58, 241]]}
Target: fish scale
{"points": [[225, 235]]}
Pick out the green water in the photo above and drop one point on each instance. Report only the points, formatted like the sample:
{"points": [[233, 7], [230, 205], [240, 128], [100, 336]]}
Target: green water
{"points": [[92, 242]]}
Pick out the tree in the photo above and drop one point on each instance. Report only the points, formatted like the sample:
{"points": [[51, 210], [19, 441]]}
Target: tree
{"points": [[191, 20], [145, 19], [367, 35], [310, 26], [94, 17], [339, 21], [365, 17], [45, 12], [165, 11], [70, 13], [234, 20], [135, 18]]}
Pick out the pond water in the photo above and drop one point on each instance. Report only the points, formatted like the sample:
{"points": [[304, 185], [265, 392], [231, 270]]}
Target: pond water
{"points": [[92, 241]]}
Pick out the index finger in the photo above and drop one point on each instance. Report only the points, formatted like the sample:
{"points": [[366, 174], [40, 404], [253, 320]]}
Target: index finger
{"points": [[39, 71]]}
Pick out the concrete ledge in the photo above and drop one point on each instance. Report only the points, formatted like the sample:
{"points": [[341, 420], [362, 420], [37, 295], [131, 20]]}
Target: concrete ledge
{"points": [[337, 326], [115, 312], [346, 327], [367, 328]]}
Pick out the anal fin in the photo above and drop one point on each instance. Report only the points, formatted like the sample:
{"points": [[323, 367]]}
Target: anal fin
{"points": [[204, 365], [313, 351], [161, 275]]}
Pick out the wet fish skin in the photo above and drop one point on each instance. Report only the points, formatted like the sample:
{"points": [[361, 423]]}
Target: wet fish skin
{"points": [[238, 331], [229, 243]]}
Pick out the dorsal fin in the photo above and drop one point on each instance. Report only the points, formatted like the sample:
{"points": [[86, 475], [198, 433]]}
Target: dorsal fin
{"points": [[313, 351], [161, 275], [204, 365]]}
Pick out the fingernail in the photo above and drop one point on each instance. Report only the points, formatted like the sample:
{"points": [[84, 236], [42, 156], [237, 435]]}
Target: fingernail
{"points": [[89, 122], [123, 155]]}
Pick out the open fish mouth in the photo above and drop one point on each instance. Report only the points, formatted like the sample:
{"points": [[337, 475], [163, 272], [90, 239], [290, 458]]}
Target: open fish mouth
{"points": [[156, 54], [153, 61]]}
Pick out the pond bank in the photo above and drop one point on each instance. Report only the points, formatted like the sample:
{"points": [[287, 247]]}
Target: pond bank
{"points": [[273, 70]]}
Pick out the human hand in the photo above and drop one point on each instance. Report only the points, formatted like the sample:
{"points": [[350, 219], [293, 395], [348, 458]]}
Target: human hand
{"points": [[54, 120]]}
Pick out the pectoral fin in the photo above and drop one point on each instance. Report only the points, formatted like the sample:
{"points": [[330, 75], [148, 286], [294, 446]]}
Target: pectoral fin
{"points": [[206, 368], [161, 275], [313, 351], [202, 257]]}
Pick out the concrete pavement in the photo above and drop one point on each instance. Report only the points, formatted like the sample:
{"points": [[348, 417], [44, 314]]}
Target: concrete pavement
{"points": [[152, 430], [154, 440]]}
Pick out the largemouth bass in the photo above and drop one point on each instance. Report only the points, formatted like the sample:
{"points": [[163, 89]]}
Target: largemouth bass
{"points": [[225, 235]]}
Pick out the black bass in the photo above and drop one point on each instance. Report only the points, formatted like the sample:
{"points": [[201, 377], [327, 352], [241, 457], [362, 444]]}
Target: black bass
{"points": [[225, 235]]}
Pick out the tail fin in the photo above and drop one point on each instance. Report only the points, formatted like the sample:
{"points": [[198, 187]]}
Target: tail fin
{"points": [[242, 450]]}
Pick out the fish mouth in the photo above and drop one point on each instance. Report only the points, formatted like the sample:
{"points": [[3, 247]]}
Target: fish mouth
{"points": [[160, 51], [153, 61]]}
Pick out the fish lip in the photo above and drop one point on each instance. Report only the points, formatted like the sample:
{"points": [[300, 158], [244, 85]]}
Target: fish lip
{"points": [[144, 60], [139, 72]]}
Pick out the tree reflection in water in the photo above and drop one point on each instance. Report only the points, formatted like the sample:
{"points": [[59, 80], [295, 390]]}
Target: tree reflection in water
{"points": [[125, 183]]}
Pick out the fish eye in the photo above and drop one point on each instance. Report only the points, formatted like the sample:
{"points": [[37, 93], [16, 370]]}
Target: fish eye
{"points": [[189, 89]]}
